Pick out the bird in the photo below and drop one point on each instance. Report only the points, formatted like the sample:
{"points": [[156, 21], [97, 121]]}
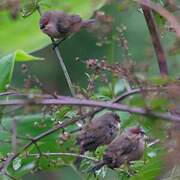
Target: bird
{"points": [[60, 25], [100, 131], [126, 147]]}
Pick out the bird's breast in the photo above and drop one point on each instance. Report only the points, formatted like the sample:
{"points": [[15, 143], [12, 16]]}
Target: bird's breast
{"points": [[52, 31]]}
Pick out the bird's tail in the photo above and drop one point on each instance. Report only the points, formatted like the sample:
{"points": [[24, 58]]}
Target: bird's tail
{"points": [[88, 23], [77, 162], [97, 167]]}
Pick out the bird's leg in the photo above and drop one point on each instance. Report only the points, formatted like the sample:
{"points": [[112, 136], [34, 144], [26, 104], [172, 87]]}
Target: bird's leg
{"points": [[56, 43], [129, 169]]}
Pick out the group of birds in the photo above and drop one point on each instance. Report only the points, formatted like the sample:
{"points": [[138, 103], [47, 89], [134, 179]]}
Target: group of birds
{"points": [[122, 148]]}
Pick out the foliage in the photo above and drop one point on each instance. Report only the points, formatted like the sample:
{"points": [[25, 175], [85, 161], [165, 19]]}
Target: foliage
{"points": [[7, 66], [43, 138]]}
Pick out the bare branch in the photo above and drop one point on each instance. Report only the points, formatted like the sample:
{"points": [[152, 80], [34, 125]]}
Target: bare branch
{"points": [[7, 93], [163, 12], [63, 100], [63, 154], [161, 57]]}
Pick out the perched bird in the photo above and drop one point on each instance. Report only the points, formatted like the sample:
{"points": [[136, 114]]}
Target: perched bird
{"points": [[100, 131], [128, 146], [59, 25]]}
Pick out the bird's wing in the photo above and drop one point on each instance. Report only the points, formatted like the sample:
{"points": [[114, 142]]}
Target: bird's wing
{"points": [[102, 130], [98, 132], [92, 136], [128, 146], [75, 19], [64, 24], [123, 145]]}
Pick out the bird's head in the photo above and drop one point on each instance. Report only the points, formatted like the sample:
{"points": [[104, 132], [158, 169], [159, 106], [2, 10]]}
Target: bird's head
{"points": [[136, 131], [48, 23], [44, 21]]}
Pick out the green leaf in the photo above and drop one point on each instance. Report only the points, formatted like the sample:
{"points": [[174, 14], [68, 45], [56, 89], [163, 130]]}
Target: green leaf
{"points": [[29, 7], [159, 103], [7, 66], [25, 169], [149, 171], [3, 177], [160, 80], [159, 19], [21, 56], [119, 86], [83, 8]]}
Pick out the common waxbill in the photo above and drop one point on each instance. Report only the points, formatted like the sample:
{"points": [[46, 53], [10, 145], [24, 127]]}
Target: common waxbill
{"points": [[128, 146], [60, 25], [100, 131]]}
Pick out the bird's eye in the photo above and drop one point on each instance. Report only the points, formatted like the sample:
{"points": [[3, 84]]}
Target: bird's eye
{"points": [[142, 132], [42, 26], [43, 23]]}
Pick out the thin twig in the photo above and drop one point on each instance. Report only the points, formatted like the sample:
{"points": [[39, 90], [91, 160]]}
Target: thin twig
{"points": [[153, 143], [7, 93], [62, 154], [3, 167], [68, 79], [118, 99], [161, 57], [121, 97]]}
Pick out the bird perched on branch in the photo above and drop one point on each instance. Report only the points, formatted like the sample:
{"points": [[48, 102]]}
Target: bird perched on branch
{"points": [[59, 25], [100, 131], [128, 146]]}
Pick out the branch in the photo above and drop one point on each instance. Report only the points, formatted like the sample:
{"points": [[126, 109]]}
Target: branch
{"points": [[63, 100], [63, 154], [8, 93], [68, 79], [120, 98], [161, 57], [117, 99], [163, 12], [5, 164], [72, 121], [153, 143]]}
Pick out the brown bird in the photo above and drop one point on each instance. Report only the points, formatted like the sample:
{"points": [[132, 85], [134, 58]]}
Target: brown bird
{"points": [[59, 25], [128, 146], [100, 131]]}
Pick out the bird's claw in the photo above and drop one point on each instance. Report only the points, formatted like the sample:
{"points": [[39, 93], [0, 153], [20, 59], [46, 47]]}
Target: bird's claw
{"points": [[54, 45]]}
